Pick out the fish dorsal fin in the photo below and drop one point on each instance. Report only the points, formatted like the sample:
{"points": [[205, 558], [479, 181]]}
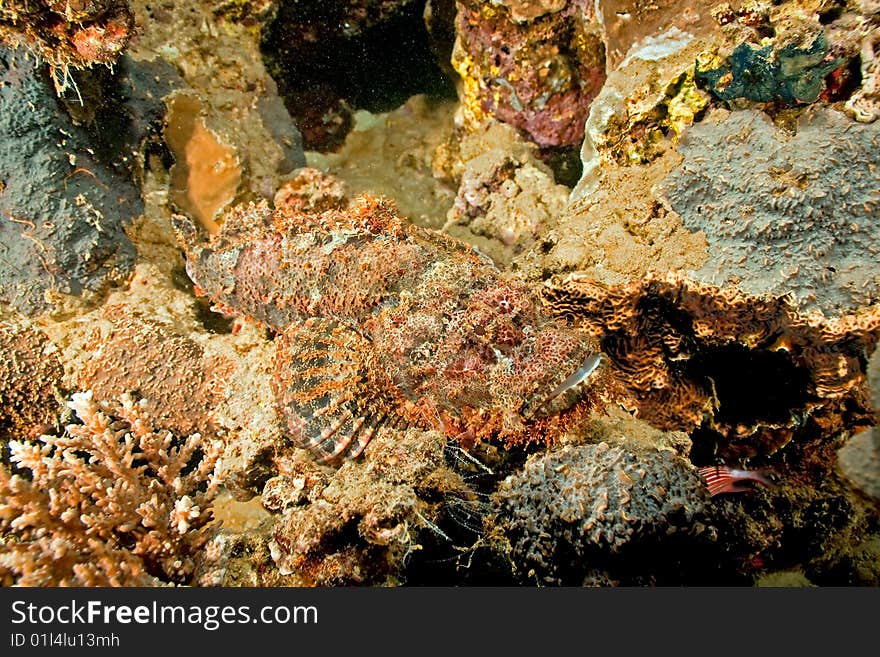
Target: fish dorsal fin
{"points": [[366, 215], [322, 389]]}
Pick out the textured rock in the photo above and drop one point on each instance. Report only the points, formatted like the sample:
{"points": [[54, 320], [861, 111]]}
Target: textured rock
{"points": [[63, 206], [785, 214], [536, 70], [357, 524], [505, 191], [235, 109], [571, 512]]}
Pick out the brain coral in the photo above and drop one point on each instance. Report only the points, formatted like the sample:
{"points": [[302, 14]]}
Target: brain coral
{"points": [[572, 510], [785, 214]]}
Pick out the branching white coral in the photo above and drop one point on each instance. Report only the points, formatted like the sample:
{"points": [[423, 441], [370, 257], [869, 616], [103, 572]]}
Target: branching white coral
{"points": [[110, 502]]}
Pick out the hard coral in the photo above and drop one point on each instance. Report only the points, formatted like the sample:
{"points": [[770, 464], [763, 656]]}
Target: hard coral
{"points": [[110, 502], [753, 373], [785, 214], [578, 514], [386, 322]]}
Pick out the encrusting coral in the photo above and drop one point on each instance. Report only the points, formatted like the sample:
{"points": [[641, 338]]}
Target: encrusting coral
{"points": [[30, 378], [176, 383], [108, 503], [572, 512], [784, 213]]}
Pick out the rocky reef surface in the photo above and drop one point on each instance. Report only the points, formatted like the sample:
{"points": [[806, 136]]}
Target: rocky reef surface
{"points": [[441, 292]]}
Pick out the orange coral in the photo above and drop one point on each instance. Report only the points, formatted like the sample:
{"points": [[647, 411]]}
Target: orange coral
{"points": [[30, 375], [177, 384]]}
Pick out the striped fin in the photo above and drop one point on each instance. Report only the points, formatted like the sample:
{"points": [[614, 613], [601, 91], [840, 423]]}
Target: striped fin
{"points": [[322, 389], [723, 479]]}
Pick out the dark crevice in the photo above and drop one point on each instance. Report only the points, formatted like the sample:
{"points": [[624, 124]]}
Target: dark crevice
{"points": [[326, 66], [752, 385]]}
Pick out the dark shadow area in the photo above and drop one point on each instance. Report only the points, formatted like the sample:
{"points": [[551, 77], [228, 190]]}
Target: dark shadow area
{"points": [[330, 58], [752, 385]]}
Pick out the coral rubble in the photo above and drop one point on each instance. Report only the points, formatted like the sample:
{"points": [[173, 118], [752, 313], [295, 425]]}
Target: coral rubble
{"points": [[505, 191]]}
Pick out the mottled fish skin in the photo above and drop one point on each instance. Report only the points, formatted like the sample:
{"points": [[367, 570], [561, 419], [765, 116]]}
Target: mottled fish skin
{"points": [[385, 322]]}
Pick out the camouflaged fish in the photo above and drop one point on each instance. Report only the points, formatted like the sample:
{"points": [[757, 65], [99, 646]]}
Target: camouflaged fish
{"points": [[381, 322]]}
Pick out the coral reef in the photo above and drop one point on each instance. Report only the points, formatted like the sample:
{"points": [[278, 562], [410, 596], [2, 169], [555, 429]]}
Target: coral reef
{"points": [[579, 514], [62, 207], [864, 104], [642, 109], [752, 373], [533, 65], [774, 211], [859, 458], [442, 339], [487, 378], [109, 502], [68, 34]]}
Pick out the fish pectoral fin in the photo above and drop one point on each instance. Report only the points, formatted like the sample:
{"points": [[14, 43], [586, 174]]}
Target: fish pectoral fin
{"points": [[323, 390]]}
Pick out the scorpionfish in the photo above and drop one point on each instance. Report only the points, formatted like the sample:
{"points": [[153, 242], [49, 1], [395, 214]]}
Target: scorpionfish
{"points": [[380, 322]]}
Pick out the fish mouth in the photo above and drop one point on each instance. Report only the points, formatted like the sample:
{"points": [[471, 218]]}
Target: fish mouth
{"points": [[567, 393]]}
